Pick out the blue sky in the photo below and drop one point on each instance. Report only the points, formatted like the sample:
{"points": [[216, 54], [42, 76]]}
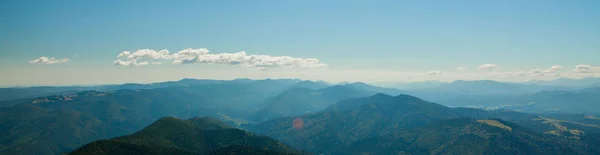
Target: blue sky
{"points": [[357, 40]]}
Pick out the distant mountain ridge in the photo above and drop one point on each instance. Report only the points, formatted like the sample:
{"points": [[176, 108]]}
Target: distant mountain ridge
{"points": [[14, 93], [562, 83], [584, 101], [106, 114], [120, 112], [482, 87], [32, 126], [371, 88], [578, 83]]}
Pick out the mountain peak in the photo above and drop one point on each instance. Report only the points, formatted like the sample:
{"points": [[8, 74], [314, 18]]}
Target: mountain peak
{"points": [[335, 87], [168, 118], [188, 79], [410, 97], [204, 123], [359, 83], [306, 81], [381, 95], [242, 79], [322, 82]]}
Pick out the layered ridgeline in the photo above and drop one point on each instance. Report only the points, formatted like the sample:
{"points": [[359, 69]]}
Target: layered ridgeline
{"points": [[584, 101], [383, 124], [40, 125], [484, 87], [302, 100], [298, 101], [60, 123], [268, 86], [193, 136], [531, 98]]}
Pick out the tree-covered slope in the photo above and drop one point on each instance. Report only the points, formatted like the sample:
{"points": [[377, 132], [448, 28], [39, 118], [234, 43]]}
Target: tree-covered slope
{"points": [[352, 120], [193, 136], [383, 124], [463, 136], [93, 115], [34, 130]]}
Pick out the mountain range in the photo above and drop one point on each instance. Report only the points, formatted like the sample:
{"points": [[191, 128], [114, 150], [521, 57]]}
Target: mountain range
{"points": [[383, 124], [560, 83], [584, 101], [351, 118]]}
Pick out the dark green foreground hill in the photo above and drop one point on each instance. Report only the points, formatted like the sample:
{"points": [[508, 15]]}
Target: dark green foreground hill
{"points": [[182, 137]]}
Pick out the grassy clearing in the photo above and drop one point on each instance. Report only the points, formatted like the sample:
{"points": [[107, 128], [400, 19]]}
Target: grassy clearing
{"points": [[496, 124]]}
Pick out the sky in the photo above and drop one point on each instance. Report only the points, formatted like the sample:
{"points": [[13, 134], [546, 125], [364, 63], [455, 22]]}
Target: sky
{"points": [[79, 42]]}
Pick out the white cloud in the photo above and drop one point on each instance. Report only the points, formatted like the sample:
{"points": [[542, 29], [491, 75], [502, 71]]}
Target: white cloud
{"points": [[553, 71], [202, 55], [143, 63], [504, 73], [583, 69], [434, 73], [520, 73], [437, 73], [461, 68], [123, 54], [556, 67], [487, 67], [129, 63], [157, 63], [145, 53], [49, 61]]}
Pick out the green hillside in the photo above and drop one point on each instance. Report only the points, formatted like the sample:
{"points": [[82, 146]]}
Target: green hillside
{"points": [[193, 136], [383, 124]]}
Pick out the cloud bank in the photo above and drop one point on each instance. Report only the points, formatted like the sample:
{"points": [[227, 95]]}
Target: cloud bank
{"points": [[202, 56], [461, 68], [553, 71], [585, 69], [487, 67], [437, 73], [434, 73], [504, 73], [49, 61]]}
